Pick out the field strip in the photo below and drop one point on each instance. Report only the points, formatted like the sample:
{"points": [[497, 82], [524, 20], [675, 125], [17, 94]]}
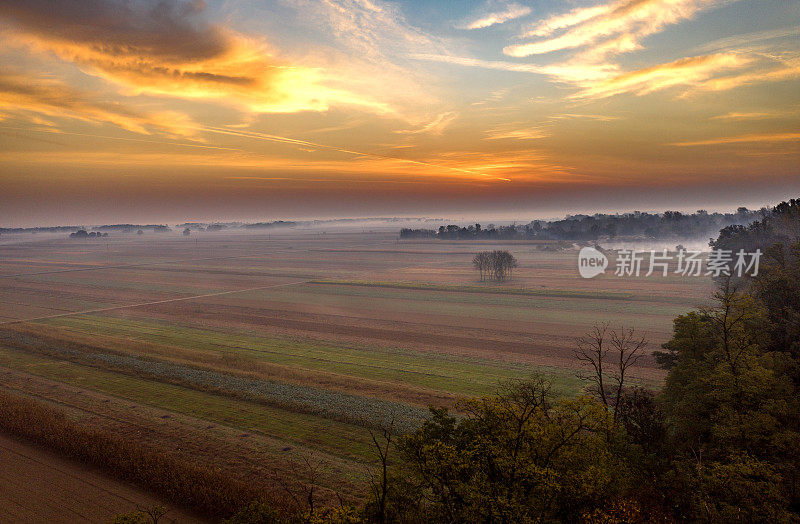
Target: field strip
{"points": [[79, 478], [142, 304], [126, 266]]}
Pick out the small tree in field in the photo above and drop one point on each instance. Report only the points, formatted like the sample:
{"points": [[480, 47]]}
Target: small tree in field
{"points": [[482, 263], [497, 265]]}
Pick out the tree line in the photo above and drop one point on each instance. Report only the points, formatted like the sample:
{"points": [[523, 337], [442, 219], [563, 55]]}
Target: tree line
{"points": [[669, 224]]}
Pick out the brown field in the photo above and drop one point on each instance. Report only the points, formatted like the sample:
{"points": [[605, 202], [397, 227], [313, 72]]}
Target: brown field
{"points": [[256, 353], [41, 486]]}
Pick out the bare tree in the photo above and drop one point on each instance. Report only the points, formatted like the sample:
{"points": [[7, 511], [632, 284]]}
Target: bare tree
{"points": [[610, 355], [379, 482], [592, 349], [303, 487], [497, 265], [481, 263]]}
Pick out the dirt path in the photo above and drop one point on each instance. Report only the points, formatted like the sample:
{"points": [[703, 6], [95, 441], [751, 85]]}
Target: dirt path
{"points": [[39, 486]]}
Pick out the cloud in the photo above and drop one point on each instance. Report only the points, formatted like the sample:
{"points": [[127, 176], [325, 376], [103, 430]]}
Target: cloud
{"points": [[511, 12], [613, 28], [365, 47], [748, 39], [22, 94], [573, 18], [435, 126], [605, 80], [514, 132], [688, 71], [771, 70], [753, 138], [167, 47], [756, 115], [599, 118]]}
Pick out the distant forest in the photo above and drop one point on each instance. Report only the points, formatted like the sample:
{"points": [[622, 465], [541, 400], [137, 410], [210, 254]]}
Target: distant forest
{"points": [[669, 224]]}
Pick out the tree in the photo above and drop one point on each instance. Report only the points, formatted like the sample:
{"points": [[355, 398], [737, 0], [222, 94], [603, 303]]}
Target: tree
{"points": [[497, 265], [610, 355], [732, 412], [519, 456], [502, 264], [379, 482], [481, 262]]}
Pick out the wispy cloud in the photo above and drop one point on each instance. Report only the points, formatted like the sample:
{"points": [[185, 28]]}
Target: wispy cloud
{"points": [[752, 138], [30, 97], [749, 39], [509, 12], [435, 126], [613, 28], [599, 118], [605, 80], [515, 132], [756, 115], [771, 69], [366, 51], [684, 72]]}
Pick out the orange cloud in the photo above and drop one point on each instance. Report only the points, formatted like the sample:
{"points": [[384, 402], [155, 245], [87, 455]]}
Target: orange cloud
{"points": [[753, 138], [785, 70], [48, 97], [166, 48], [686, 71], [435, 126], [514, 132]]}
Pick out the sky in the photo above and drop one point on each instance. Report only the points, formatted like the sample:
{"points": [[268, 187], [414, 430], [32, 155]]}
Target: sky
{"points": [[118, 111]]}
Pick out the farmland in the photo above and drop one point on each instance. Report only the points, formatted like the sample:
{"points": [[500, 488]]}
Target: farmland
{"points": [[250, 352]]}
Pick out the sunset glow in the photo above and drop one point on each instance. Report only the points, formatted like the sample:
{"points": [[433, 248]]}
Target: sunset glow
{"points": [[234, 109]]}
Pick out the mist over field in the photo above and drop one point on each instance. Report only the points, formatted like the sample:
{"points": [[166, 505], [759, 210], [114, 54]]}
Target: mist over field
{"points": [[399, 261]]}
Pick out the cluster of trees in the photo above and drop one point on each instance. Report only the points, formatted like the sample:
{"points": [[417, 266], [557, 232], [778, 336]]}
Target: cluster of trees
{"points": [[669, 224], [130, 228], [496, 265], [720, 442], [266, 225], [82, 233]]}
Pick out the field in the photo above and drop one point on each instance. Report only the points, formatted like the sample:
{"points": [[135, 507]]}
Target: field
{"points": [[269, 355]]}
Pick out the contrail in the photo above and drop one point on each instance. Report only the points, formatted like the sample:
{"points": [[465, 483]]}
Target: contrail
{"points": [[271, 138], [128, 139], [305, 143]]}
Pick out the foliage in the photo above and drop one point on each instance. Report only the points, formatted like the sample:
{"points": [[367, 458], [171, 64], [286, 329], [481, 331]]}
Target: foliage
{"points": [[521, 456]]}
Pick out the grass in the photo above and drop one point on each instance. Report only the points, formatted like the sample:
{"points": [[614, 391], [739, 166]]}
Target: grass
{"points": [[350, 408], [462, 375], [509, 308], [488, 288], [337, 438]]}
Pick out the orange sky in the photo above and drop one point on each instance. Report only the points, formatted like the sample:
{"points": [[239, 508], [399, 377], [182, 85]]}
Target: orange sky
{"points": [[115, 111]]}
